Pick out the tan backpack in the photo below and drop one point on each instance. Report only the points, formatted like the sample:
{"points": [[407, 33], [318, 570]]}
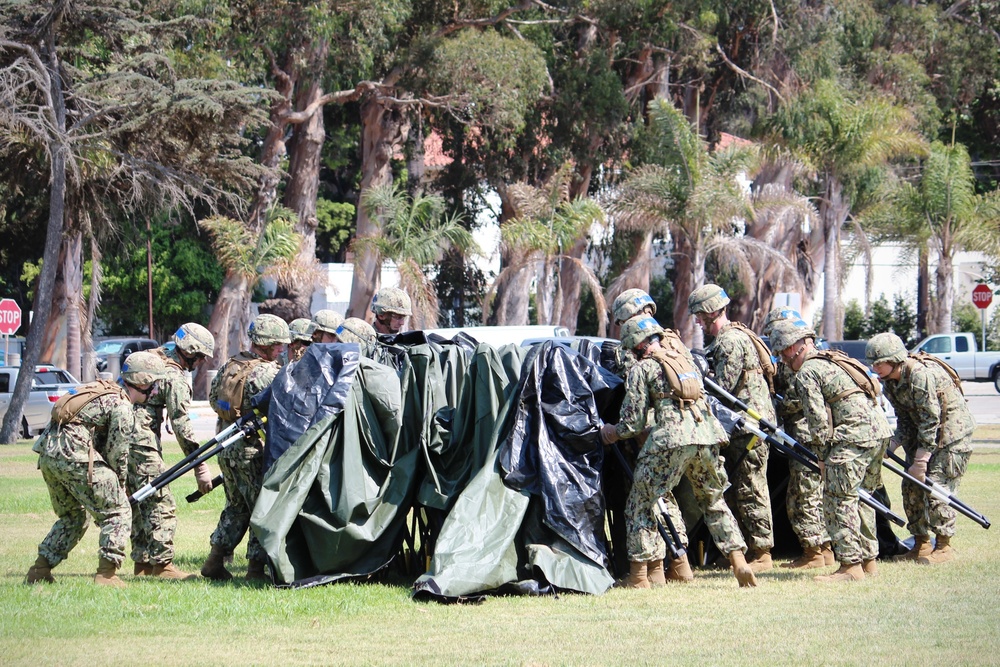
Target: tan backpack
{"points": [[767, 367], [952, 373], [858, 372], [682, 376], [232, 378], [70, 404]]}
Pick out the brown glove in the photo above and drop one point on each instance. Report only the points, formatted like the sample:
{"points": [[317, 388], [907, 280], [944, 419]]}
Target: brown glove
{"points": [[609, 434], [919, 467], [204, 478]]}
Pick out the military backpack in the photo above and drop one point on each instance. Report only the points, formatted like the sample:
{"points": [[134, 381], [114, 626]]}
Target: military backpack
{"points": [[232, 379], [857, 371], [767, 367], [927, 359], [70, 403], [682, 376]]}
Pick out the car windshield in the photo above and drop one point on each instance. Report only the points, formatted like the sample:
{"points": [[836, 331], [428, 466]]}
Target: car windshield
{"points": [[52, 377], [109, 347]]}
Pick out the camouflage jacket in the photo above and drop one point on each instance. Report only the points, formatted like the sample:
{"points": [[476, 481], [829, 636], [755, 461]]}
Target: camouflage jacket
{"points": [[646, 387], [174, 396], [788, 408], [852, 419], [930, 410], [737, 366], [107, 424], [259, 379]]}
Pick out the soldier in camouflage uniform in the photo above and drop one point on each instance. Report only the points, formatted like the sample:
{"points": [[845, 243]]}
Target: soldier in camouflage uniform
{"points": [[356, 330], [935, 427], [737, 368], [391, 306], [849, 433], [301, 332], [154, 520], [242, 462], [325, 326], [83, 456], [684, 441], [804, 495]]}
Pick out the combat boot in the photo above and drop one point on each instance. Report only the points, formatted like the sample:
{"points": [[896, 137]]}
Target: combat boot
{"points": [[636, 575], [870, 566], [828, 556], [40, 571], [942, 552], [761, 562], [214, 568], [922, 548], [812, 557], [169, 571], [654, 572], [142, 569], [255, 571], [680, 570], [846, 572], [107, 574], [744, 574]]}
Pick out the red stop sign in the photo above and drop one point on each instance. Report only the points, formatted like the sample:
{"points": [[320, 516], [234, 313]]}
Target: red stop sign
{"points": [[10, 316], [982, 296]]}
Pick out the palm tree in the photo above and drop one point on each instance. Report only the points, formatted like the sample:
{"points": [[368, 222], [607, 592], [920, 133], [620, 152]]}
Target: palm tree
{"points": [[414, 233]]}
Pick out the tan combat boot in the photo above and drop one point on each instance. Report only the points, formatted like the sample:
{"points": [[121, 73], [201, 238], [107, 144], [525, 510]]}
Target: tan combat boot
{"points": [[870, 566], [40, 571], [742, 570], [828, 556], [761, 561], [169, 571], [922, 548], [654, 572], [214, 568], [942, 552], [637, 575], [846, 572], [142, 569], [255, 571], [812, 557], [680, 570], [107, 574]]}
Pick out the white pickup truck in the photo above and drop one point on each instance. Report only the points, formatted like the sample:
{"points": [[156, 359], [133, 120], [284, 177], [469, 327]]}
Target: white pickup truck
{"points": [[48, 384], [959, 351]]}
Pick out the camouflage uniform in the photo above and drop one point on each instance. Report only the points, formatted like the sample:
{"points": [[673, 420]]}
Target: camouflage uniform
{"points": [[100, 432], [849, 435], [242, 462], [737, 369], [683, 442], [932, 415]]}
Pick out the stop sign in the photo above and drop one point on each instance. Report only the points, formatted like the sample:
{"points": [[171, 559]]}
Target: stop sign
{"points": [[982, 296], [10, 316]]}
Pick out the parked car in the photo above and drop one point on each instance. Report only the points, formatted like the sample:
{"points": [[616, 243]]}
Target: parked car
{"points": [[958, 350], [121, 347], [48, 384], [855, 349]]}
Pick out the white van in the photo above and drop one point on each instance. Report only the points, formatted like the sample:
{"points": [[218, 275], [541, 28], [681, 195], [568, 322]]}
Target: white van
{"points": [[497, 336]]}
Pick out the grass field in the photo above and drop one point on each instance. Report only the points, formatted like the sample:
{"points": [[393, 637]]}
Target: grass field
{"points": [[908, 615]]}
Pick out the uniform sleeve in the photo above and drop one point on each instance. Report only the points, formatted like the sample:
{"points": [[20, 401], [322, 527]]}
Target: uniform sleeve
{"points": [[906, 428], [178, 407], [927, 417], [636, 403], [122, 431], [728, 363], [810, 394]]}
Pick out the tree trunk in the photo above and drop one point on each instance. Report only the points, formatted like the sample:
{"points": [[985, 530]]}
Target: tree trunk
{"points": [[72, 270], [923, 292], [689, 273], [833, 211], [570, 274], [944, 283], [233, 305], [511, 302], [88, 360], [382, 130]]}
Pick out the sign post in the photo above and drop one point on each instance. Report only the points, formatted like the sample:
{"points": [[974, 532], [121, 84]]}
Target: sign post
{"points": [[982, 297], [10, 322]]}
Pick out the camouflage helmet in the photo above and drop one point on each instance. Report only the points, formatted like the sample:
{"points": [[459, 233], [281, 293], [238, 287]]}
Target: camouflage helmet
{"points": [[885, 347], [302, 329], [143, 368], [327, 320], [356, 330], [268, 330], [193, 339], [638, 329], [391, 300], [785, 333], [780, 314], [707, 299], [630, 303]]}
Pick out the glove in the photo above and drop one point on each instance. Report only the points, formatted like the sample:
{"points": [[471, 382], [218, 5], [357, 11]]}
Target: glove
{"points": [[919, 467], [204, 478], [609, 434], [822, 467]]}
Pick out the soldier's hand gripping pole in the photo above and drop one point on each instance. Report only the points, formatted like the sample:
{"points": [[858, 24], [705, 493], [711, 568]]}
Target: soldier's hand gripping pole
{"points": [[808, 459], [246, 425], [935, 490], [197, 495]]}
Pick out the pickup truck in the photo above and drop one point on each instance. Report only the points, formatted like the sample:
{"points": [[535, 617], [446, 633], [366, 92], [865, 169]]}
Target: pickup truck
{"points": [[48, 385], [959, 351]]}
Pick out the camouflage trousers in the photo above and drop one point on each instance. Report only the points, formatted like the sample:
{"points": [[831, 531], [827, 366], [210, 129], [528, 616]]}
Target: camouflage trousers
{"points": [[657, 472], [154, 520], [804, 503], [242, 475], [73, 496], [926, 513], [748, 497], [849, 467]]}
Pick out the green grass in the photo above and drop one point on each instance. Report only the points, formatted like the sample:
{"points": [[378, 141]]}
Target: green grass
{"points": [[909, 614]]}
